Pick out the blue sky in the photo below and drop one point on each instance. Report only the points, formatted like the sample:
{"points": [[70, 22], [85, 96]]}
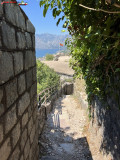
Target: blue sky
{"points": [[42, 25]]}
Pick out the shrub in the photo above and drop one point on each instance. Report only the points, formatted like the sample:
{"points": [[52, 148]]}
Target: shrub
{"points": [[46, 77], [49, 57]]}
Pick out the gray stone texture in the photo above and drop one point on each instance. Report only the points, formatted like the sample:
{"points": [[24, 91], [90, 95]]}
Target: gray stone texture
{"points": [[0, 40], [14, 15], [6, 67], [1, 105], [21, 158], [10, 16], [23, 103], [35, 100], [8, 34], [15, 154], [18, 62], [27, 149], [11, 119], [16, 134], [28, 40], [1, 9], [34, 74], [41, 118], [30, 125], [30, 59], [1, 94], [30, 109], [23, 139], [17, 74], [32, 134], [5, 150], [35, 111], [30, 27], [1, 133], [24, 119], [108, 121], [33, 41], [11, 92], [33, 90], [105, 118], [21, 44], [21, 84], [1, 109], [29, 78]]}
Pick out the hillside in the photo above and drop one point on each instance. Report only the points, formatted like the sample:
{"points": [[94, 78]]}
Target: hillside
{"points": [[61, 66], [49, 41]]}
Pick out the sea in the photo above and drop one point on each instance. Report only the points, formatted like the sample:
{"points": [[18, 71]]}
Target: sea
{"points": [[42, 52]]}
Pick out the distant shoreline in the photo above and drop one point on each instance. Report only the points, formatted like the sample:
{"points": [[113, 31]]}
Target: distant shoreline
{"points": [[40, 53]]}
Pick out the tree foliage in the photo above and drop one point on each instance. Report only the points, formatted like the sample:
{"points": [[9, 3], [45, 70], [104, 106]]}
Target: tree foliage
{"points": [[46, 77], [49, 57], [95, 43]]}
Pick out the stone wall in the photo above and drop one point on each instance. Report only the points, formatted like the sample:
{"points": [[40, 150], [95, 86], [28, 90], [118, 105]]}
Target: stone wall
{"points": [[18, 102], [105, 119], [79, 92], [64, 77]]}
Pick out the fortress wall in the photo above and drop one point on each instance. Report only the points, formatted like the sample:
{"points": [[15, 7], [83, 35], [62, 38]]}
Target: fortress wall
{"points": [[18, 92], [104, 126]]}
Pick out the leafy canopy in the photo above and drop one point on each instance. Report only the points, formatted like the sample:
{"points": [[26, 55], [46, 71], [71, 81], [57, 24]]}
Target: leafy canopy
{"points": [[94, 26]]}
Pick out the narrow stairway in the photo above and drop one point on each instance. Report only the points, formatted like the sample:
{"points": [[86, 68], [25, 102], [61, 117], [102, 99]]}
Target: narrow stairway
{"points": [[63, 136]]}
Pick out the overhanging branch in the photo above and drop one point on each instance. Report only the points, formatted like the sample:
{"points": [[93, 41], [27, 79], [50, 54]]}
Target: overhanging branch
{"points": [[114, 4], [99, 10]]}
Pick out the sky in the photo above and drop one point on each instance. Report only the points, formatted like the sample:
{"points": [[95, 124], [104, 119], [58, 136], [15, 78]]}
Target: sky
{"points": [[42, 25]]}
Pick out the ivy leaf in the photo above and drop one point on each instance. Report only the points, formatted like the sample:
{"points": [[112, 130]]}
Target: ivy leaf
{"points": [[58, 21], [63, 17], [117, 70], [65, 24], [58, 13], [54, 12], [45, 10], [52, 3], [59, 4], [41, 3], [116, 43], [87, 36]]}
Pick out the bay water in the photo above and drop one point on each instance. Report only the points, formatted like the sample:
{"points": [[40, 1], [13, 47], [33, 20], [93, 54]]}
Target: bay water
{"points": [[42, 52]]}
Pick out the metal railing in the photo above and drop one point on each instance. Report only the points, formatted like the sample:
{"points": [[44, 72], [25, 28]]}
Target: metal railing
{"points": [[46, 95]]}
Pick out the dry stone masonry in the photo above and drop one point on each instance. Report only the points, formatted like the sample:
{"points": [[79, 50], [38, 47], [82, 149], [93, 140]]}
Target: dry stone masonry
{"points": [[18, 101], [104, 127]]}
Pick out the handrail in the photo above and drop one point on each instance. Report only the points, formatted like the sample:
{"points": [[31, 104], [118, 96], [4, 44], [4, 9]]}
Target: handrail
{"points": [[45, 95]]}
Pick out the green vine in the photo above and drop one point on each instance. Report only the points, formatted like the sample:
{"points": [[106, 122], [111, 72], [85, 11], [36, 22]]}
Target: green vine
{"points": [[95, 44]]}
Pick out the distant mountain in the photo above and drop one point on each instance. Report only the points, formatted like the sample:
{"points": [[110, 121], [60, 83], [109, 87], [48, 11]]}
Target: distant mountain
{"points": [[49, 41]]}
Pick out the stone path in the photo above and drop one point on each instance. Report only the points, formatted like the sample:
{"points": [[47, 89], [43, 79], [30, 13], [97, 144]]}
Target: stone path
{"points": [[63, 138]]}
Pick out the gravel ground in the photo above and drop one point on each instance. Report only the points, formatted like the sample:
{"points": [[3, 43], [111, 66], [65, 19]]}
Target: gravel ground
{"points": [[64, 137]]}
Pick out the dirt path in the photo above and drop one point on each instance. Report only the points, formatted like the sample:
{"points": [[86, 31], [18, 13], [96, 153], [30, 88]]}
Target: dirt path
{"points": [[63, 137]]}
